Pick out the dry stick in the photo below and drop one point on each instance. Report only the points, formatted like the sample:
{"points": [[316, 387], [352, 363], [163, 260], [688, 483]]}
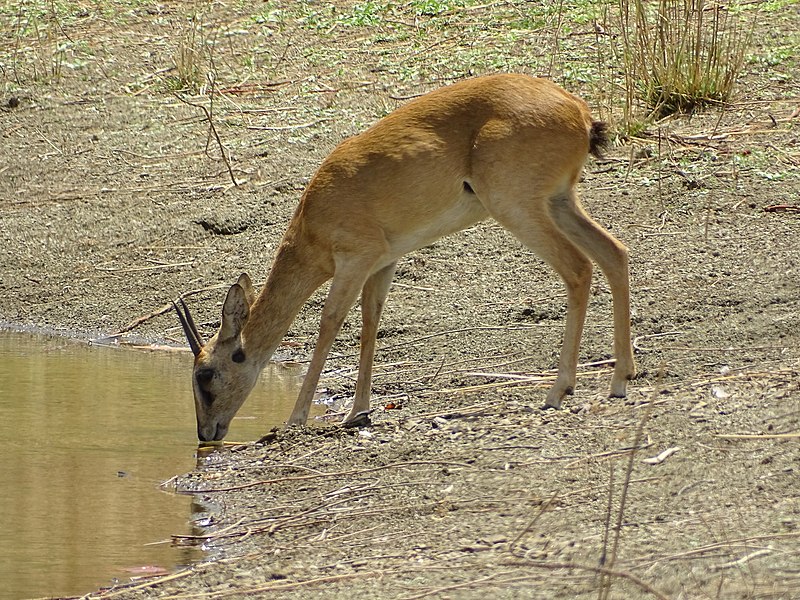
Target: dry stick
{"points": [[471, 410], [721, 348], [537, 380], [577, 459], [481, 359], [755, 436], [361, 559], [782, 208], [150, 268], [487, 386], [330, 474], [636, 341], [607, 527], [282, 586], [163, 310], [459, 330], [468, 584], [427, 377], [602, 571], [605, 581], [313, 515], [326, 507], [608, 454], [744, 375], [308, 582], [712, 137], [347, 536], [143, 319], [430, 379], [740, 561], [212, 128], [286, 127], [142, 586], [497, 375], [745, 541], [590, 488], [216, 534], [433, 335], [529, 526], [336, 578], [422, 51]]}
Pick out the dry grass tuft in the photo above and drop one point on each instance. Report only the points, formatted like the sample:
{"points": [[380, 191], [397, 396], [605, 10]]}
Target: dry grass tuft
{"points": [[680, 55]]}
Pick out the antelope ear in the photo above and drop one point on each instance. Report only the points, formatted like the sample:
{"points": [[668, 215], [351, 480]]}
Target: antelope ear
{"points": [[235, 312], [247, 285]]}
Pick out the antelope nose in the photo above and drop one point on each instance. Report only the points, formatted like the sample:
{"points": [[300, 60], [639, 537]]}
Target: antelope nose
{"points": [[207, 433], [211, 433]]}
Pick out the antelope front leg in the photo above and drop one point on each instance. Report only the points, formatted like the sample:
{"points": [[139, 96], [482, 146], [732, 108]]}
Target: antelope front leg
{"points": [[342, 296], [373, 297]]}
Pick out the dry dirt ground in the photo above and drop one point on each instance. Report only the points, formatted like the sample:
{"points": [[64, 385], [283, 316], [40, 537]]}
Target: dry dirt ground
{"points": [[114, 200]]}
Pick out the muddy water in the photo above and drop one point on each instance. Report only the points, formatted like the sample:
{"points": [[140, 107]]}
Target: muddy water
{"points": [[88, 434]]}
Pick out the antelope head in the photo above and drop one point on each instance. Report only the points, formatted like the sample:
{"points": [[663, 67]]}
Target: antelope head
{"points": [[223, 374]]}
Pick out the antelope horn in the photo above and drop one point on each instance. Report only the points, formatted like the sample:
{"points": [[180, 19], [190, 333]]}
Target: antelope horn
{"points": [[189, 328]]}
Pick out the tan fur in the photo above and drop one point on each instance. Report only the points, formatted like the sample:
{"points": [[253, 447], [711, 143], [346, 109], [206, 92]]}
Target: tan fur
{"points": [[507, 146]]}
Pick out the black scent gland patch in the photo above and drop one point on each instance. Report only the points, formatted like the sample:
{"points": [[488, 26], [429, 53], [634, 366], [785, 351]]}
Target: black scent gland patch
{"points": [[238, 356]]}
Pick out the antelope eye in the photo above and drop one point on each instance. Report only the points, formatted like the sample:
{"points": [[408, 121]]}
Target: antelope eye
{"points": [[204, 376], [238, 356]]}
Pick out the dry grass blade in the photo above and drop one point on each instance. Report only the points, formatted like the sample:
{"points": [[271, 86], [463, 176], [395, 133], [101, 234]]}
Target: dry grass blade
{"points": [[334, 474], [606, 572], [489, 580], [611, 557], [759, 436], [209, 112]]}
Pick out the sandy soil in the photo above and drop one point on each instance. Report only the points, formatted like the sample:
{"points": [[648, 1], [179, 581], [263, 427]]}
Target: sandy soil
{"points": [[114, 200]]}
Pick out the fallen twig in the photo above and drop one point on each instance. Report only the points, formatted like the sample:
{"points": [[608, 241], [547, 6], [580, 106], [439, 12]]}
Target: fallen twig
{"points": [[636, 341], [473, 409], [212, 127], [150, 268], [282, 586], [745, 375], [759, 436], [216, 534], [522, 381], [610, 453], [740, 561], [354, 472], [723, 135], [657, 460], [143, 319], [605, 582], [286, 127], [254, 88], [746, 542], [601, 571], [792, 208], [489, 579], [147, 584], [163, 310], [542, 509]]}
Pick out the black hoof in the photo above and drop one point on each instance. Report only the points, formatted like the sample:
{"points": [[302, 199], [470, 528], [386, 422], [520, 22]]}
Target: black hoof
{"points": [[360, 420]]}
